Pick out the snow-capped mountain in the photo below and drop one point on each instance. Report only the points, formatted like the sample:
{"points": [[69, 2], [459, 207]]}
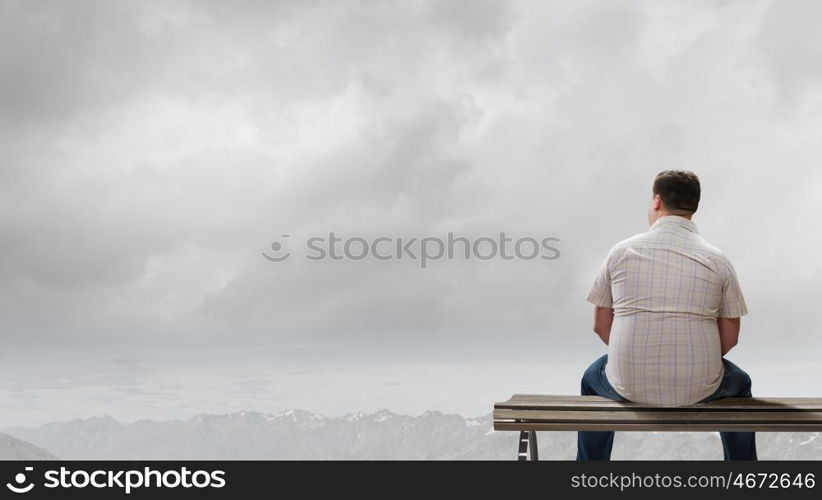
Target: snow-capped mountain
{"points": [[299, 434]]}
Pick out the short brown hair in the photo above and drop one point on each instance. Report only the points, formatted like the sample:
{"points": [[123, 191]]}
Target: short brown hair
{"points": [[678, 189]]}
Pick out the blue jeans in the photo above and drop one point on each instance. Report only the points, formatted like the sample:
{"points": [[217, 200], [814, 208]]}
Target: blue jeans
{"points": [[596, 445]]}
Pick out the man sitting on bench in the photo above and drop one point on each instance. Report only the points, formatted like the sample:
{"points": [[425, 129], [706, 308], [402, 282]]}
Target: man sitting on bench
{"points": [[667, 304]]}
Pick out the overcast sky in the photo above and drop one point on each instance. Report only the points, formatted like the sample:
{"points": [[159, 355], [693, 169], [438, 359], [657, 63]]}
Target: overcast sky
{"points": [[152, 151]]}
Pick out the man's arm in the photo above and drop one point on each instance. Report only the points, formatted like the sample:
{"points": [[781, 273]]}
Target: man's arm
{"points": [[603, 318], [600, 297], [732, 308], [728, 333]]}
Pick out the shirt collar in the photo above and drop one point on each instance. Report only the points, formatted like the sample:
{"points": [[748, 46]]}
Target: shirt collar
{"points": [[674, 221]]}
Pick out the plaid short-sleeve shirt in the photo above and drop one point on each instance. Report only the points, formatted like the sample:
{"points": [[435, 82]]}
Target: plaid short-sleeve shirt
{"points": [[667, 287]]}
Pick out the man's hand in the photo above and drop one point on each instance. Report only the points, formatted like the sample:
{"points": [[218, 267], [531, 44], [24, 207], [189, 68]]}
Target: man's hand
{"points": [[728, 333], [603, 318]]}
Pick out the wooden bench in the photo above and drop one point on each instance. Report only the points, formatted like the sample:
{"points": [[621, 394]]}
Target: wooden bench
{"points": [[529, 413]]}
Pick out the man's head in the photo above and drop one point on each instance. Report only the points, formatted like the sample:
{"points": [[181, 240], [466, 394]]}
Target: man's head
{"points": [[675, 192]]}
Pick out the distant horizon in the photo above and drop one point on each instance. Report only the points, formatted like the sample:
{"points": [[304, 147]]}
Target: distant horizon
{"points": [[241, 412], [523, 377]]}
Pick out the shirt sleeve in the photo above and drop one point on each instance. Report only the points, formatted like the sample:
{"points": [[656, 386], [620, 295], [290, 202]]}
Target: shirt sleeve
{"points": [[600, 294], [733, 303]]}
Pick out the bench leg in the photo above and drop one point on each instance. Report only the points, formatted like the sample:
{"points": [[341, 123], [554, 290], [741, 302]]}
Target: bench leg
{"points": [[528, 446]]}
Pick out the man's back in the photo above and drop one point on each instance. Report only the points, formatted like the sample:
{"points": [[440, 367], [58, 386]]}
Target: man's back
{"points": [[667, 305], [667, 287]]}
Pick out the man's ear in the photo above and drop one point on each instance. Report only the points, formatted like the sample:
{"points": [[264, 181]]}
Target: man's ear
{"points": [[657, 202]]}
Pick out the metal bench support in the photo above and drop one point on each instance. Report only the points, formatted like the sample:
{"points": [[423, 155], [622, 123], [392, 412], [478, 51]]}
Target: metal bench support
{"points": [[528, 446]]}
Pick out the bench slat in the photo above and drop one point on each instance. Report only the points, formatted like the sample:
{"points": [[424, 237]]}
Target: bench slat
{"points": [[662, 417], [533, 401], [714, 427]]}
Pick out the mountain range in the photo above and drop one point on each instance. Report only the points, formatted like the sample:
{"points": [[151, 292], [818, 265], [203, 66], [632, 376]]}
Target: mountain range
{"points": [[303, 435]]}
